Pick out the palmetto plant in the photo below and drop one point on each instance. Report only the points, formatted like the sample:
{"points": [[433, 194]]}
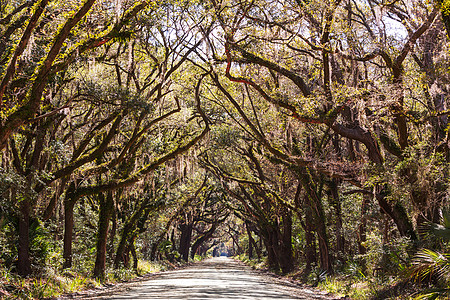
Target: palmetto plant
{"points": [[428, 264]]}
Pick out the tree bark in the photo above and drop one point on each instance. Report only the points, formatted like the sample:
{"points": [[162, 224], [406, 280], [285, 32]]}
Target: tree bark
{"points": [[340, 240], [268, 239], [134, 254], [24, 262], [315, 203], [310, 243], [69, 205], [363, 226], [251, 241], [185, 240], [106, 209], [202, 239], [285, 256], [398, 214], [121, 248]]}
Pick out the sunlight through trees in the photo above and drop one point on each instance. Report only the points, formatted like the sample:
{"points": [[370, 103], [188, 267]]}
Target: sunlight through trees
{"points": [[310, 136]]}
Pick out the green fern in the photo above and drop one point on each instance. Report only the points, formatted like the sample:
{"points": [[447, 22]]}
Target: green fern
{"points": [[428, 264]]}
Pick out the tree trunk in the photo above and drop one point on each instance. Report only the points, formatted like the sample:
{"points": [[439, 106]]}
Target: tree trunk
{"points": [[324, 249], [321, 229], [185, 240], [268, 238], [126, 258], [134, 254], [250, 227], [340, 240], [285, 256], [202, 239], [251, 241], [106, 209], [310, 241], [250, 248], [397, 213], [363, 225], [313, 205], [121, 248], [154, 251], [24, 262], [126, 236], [69, 204], [112, 234]]}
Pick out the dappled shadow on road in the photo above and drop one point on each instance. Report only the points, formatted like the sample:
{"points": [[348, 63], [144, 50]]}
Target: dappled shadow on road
{"points": [[218, 278]]}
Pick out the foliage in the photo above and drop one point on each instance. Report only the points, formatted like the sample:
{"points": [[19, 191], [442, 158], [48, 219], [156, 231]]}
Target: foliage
{"points": [[432, 266], [308, 137], [54, 283]]}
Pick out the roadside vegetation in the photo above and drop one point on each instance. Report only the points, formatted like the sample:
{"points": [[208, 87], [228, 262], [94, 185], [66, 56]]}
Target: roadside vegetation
{"points": [[52, 282], [312, 136]]}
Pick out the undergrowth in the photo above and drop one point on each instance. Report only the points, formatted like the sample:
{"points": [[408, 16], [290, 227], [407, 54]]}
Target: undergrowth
{"points": [[255, 263], [53, 283], [349, 283]]}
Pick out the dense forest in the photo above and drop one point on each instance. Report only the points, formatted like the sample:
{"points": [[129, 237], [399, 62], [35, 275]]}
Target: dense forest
{"points": [[308, 136]]}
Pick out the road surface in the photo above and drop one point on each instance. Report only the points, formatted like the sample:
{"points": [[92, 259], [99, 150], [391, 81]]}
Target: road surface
{"points": [[214, 278]]}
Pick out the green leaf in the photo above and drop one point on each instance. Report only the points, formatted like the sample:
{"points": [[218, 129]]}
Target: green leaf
{"points": [[446, 218]]}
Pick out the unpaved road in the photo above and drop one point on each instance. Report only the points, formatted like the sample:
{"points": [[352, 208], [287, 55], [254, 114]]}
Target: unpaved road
{"points": [[215, 278]]}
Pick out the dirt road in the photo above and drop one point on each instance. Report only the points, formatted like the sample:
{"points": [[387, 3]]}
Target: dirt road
{"points": [[214, 278]]}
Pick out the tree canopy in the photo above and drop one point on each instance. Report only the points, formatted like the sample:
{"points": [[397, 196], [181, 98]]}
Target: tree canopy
{"points": [[311, 133]]}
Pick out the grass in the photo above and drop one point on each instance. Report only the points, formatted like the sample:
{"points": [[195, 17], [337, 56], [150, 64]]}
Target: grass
{"points": [[352, 283], [53, 283], [15, 287], [365, 288], [255, 263], [145, 267], [341, 287]]}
